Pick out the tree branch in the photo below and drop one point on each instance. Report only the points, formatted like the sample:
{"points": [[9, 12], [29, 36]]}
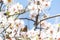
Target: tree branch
{"points": [[49, 18], [36, 22], [27, 19], [4, 29]]}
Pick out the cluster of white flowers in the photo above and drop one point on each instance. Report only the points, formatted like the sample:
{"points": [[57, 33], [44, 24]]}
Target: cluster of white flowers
{"points": [[14, 28], [14, 9], [15, 25], [38, 5], [48, 33], [3, 20]]}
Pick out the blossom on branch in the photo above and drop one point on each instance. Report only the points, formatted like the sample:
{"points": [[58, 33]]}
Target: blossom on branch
{"points": [[15, 9], [37, 6]]}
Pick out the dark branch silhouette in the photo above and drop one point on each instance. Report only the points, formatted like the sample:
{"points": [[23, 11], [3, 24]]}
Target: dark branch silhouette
{"points": [[27, 19], [49, 18]]}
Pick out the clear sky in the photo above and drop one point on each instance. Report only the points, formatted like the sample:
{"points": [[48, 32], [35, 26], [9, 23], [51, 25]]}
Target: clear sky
{"points": [[54, 10]]}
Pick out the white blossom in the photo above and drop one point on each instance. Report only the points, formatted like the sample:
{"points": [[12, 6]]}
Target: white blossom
{"points": [[1, 38], [11, 20], [15, 9], [9, 30]]}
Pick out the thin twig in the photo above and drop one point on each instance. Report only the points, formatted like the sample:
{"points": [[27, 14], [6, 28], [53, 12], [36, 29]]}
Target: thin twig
{"points": [[27, 19], [49, 18], [4, 29]]}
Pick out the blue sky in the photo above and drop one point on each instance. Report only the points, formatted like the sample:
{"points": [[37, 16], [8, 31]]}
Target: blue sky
{"points": [[54, 10]]}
